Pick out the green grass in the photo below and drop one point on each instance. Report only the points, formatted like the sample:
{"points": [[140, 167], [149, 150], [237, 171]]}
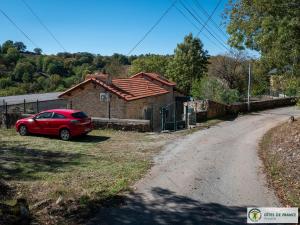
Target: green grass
{"points": [[86, 169]]}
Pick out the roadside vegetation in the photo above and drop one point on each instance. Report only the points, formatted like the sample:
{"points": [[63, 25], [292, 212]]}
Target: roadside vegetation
{"points": [[280, 152]]}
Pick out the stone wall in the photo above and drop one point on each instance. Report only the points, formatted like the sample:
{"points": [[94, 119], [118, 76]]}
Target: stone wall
{"points": [[261, 105], [207, 109], [122, 124], [216, 109], [87, 99]]}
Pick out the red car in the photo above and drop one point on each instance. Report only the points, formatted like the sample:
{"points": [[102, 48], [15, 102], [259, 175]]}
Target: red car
{"points": [[65, 123]]}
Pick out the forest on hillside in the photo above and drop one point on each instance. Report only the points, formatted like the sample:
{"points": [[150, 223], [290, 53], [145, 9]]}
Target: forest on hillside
{"points": [[23, 71]]}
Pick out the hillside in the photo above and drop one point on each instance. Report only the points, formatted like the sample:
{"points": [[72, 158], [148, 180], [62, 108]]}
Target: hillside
{"points": [[23, 71]]}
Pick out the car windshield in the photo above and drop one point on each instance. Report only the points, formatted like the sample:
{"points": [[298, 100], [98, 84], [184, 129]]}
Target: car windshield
{"points": [[79, 115]]}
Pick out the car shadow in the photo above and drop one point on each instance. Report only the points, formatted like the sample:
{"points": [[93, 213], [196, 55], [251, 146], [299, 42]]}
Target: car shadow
{"points": [[80, 139], [90, 138]]}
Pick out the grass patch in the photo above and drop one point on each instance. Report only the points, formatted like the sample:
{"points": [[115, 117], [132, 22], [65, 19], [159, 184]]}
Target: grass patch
{"points": [[85, 172]]}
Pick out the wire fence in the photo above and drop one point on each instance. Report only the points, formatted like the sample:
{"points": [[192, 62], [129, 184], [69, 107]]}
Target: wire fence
{"points": [[11, 112]]}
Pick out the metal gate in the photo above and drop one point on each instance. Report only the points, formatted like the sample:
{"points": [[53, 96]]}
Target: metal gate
{"points": [[172, 117]]}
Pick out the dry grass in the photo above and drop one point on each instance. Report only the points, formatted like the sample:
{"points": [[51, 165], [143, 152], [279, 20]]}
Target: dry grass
{"points": [[280, 151], [87, 173]]}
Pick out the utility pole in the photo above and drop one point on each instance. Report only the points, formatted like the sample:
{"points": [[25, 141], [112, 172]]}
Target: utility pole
{"points": [[249, 83]]}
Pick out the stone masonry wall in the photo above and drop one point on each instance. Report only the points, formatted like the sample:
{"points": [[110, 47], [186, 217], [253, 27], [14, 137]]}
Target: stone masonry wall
{"points": [[87, 99]]}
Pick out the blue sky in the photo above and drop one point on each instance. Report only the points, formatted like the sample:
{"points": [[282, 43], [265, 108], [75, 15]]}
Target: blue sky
{"points": [[108, 26]]}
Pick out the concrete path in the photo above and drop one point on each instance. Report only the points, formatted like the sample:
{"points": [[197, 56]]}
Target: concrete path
{"points": [[209, 177]]}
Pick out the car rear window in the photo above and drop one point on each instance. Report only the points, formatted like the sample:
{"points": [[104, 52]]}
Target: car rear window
{"points": [[79, 115]]}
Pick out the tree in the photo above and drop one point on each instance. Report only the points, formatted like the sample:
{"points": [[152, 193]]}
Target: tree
{"points": [[231, 68], [37, 51], [270, 27], [23, 71], [12, 55], [20, 46], [215, 89], [6, 45], [115, 68], [151, 63], [188, 64]]}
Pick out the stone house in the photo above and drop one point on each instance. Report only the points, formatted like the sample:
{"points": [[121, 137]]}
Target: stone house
{"points": [[140, 96]]}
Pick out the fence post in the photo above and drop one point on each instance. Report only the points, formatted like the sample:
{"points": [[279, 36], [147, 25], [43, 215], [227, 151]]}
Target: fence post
{"points": [[24, 106], [187, 116], [6, 115], [37, 106], [175, 127], [3, 119]]}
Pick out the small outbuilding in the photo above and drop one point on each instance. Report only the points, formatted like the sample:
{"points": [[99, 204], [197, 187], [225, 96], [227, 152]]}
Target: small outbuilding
{"points": [[141, 96]]}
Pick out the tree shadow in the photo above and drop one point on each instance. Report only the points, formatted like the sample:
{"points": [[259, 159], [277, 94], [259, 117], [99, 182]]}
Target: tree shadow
{"points": [[162, 208], [23, 163]]}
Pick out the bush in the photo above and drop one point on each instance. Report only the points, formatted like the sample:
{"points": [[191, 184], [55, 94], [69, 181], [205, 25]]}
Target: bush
{"points": [[214, 89]]}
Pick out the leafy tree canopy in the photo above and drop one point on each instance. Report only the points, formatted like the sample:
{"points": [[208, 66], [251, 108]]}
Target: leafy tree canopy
{"points": [[270, 27], [189, 63], [150, 63]]}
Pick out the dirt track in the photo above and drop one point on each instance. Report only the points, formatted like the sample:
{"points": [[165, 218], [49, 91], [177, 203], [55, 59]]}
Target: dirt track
{"points": [[209, 177]]}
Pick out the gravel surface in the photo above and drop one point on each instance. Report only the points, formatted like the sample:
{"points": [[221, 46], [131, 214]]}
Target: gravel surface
{"points": [[208, 177]]}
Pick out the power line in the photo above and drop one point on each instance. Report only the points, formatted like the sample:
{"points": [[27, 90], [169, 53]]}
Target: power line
{"points": [[212, 20], [188, 19], [43, 25], [203, 21], [13, 23], [204, 26], [210, 16], [150, 30]]}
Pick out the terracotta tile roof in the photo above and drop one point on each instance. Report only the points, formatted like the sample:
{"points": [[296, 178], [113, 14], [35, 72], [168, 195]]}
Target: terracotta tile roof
{"points": [[126, 88], [138, 88], [155, 77]]}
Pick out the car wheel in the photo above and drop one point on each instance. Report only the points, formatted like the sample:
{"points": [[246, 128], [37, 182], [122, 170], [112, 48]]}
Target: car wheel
{"points": [[23, 130], [64, 135]]}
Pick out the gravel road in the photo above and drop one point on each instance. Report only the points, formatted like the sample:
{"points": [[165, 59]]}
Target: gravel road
{"points": [[208, 177]]}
